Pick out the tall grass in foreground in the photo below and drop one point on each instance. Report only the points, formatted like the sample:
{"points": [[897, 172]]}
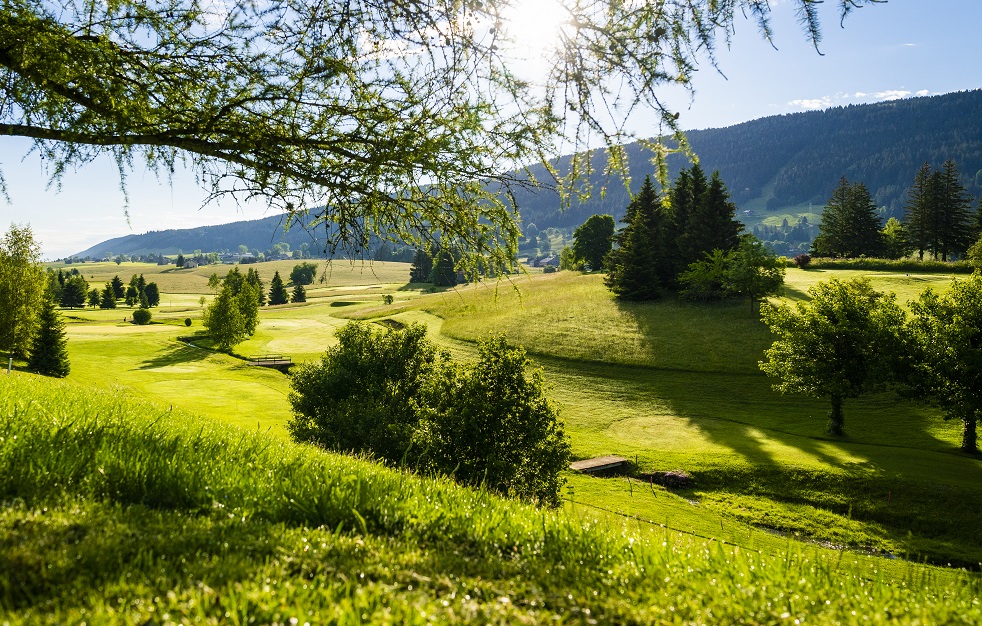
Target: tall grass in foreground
{"points": [[115, 511]]}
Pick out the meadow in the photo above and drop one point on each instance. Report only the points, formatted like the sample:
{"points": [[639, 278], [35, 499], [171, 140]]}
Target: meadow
{"points": [[669, 385]]}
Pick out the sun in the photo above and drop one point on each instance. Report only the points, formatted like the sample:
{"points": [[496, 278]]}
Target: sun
{"points": [[533, 27]]}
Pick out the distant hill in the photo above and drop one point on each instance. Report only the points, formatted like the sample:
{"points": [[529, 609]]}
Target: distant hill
{"points": [[258, 234], [777, 163], [774, 165]]}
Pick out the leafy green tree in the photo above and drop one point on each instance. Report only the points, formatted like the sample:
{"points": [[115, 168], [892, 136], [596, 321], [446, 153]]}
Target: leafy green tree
{"points": [[252, 103], [108, 298], [303, 273], [642, 265], [224, 320], [844, 343], [248, 302], [74, 294], [152, 293], [365, 394], [896, 240], [974, 254], [49, 347], [593, 240], [277, 292], [755, 272], [142, 316], [708, 278], [299, 294], [132, 296], [568, 260], [491, 424], [750, 271], [850, 226], [947, 368], [119, 289], [93, 298]]}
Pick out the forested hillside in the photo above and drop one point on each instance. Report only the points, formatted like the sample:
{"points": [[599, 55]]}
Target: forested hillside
{"points": [[779, 162]]}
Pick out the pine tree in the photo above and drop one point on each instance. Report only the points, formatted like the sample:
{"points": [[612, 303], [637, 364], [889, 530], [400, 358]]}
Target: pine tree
{"points": [[920, 212], [685, 200], [119, 289], [252, 277], [299, 294], [954, 206], [74, 293], [850, 226], [277, 292], [444, 272], [108, 299], [422, 267], [49, 349], [712, 223], [639, 266]]}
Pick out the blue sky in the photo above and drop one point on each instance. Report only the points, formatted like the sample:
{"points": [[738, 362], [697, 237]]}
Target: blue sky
{"points": [[899, 49]]}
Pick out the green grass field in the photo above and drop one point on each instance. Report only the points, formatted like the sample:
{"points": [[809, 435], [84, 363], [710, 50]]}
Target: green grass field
{"points": [[119, 511], [668, 385]]}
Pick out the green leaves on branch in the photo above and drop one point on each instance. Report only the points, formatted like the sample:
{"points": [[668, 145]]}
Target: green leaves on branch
{"points": [[391, 118]]}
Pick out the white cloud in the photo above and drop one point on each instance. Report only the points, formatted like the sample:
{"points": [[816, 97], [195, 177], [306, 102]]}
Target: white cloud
{"points": [[891, 94], [922, 92], [814, 103]]}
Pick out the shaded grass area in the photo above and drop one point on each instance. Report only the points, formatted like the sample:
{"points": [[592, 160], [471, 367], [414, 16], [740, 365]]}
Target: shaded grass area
{"points": [[119, 511]]}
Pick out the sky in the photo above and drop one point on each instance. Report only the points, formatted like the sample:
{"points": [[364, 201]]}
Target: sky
{"points": [[900, 49]]}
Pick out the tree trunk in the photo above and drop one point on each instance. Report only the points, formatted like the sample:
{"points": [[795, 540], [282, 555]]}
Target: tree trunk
{"points": [[836, 417], [969, 439]]}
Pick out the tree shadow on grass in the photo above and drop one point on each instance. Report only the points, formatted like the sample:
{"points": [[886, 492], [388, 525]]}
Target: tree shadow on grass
{"points": [[177, 353]]}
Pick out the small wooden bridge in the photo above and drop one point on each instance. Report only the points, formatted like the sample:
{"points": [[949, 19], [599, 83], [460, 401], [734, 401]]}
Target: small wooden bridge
{"points": [[598, 465], [272, 360]]}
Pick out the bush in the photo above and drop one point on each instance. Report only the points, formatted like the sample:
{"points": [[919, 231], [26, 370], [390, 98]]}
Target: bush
{"points": [[549, 269], [187, 321], [392, 394], [801, 261], [365, 394], [141, 316], [491, 424]]}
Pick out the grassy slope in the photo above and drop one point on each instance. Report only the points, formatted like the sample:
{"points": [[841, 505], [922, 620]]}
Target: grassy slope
{"points": [[677, 386], [119, 511], [672, 385]]}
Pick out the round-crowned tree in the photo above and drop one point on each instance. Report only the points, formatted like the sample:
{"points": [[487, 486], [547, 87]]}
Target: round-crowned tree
{"points": [[142, 316]]}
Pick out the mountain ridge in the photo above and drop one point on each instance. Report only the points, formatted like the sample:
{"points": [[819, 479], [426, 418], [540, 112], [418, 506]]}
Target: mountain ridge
{"points": [[771, 165]]}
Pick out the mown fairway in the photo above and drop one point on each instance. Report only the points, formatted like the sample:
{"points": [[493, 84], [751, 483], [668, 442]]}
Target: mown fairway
{"points": [[670, 385]]}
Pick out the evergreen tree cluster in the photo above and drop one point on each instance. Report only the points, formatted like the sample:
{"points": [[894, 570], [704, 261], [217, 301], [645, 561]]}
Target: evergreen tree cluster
{"points": [[663, 236], [938, 219], [850, 224]]}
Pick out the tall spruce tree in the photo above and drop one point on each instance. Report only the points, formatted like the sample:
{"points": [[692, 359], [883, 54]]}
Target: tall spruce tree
{"points": [[685, 200], [277, 292], [252, 277], [920, 213], [954, 206], [108, 299], [422, 266], [712, 223], [640, 265], [299, 293], [49, 348], [850, 227]]}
